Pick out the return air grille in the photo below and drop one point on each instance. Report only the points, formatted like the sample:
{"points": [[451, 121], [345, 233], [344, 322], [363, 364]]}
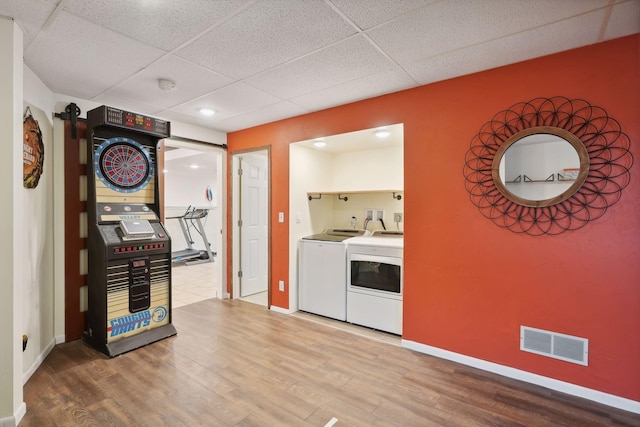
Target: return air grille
{"points": [[553, 344]]}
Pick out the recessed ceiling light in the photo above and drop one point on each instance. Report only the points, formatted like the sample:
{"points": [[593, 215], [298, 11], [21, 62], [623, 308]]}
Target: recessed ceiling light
{"points": [[207, 112], [319, 142], [194, 166], [382, 133]]}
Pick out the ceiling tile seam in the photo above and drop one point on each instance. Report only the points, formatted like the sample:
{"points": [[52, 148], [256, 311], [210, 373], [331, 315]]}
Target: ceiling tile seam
{"points": [[170, 109], [343, 83], [245, 79], [382, 24], [506, 36], [59, 8], [210, 93], [366, 36], [344, 17], [213, 27], [389, 58], [298, 58], [158, 59], [174, 50], [605, 20]]}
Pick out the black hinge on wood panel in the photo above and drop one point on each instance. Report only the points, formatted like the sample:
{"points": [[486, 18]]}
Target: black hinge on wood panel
{"points": [[239, 172], [240, 274], [71, 113]]}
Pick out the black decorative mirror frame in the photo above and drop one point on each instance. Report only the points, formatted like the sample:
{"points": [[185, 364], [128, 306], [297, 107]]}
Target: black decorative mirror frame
{"points": [[603, 174]]}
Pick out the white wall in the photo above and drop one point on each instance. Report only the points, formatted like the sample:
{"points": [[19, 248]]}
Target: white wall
{"points": [[373, 169], [357, 203], [188, 189], [13, 228], [38, 256], [185, 187]]}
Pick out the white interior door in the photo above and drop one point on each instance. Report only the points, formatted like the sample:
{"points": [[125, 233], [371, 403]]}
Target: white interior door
{"points": [[254, 180]]}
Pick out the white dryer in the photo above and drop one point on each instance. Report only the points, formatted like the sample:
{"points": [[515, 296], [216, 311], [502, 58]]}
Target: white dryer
{"points": [[375, 280]]}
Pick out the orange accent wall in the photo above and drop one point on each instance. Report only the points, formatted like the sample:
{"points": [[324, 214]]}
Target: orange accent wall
{"points": [[469, 284]]}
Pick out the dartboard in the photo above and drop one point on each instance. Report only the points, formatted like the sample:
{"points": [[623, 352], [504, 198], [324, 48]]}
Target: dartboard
{"points": [[123, 165]]}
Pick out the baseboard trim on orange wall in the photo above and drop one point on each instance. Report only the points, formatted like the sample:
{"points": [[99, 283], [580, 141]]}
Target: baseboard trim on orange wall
{"points": [[550, 383], [280, 310]]}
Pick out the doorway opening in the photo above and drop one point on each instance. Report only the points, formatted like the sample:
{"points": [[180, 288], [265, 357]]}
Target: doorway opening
{"points": [[250, 201], [193, 212], [363, 190]]}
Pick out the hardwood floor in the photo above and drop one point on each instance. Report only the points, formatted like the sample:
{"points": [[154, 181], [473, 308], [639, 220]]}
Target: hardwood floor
{"points": [[235, 363]]}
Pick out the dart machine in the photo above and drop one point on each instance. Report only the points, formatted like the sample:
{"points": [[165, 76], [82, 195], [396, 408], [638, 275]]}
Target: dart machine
{"points": [[129, 274]]}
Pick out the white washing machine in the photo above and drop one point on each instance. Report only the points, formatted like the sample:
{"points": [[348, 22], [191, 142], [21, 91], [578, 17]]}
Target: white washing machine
{"points": [[322, 272]]}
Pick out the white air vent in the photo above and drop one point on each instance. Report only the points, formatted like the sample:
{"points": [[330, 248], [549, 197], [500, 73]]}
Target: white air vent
{"points": [[553, 344]]}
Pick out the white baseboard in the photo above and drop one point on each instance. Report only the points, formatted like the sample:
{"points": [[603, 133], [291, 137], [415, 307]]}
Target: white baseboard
{"points": [[22, 410], [280, 310], [550, 383], [17, 417], [60, 339], [36, 363]]}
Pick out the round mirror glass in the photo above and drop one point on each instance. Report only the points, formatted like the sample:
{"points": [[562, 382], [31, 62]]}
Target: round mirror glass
{"points": [[540, 166]]}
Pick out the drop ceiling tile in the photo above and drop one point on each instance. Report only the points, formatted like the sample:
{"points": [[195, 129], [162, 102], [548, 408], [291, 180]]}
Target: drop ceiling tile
{"points": [[205, 122], [92, 59], [191, 80], [366, 13], [534, 43], [445, 26], [135, 105], [267, 114], [348, 60], [230, 100], [267, 34], [29, 14], [366, 87], [165, 24], [624, 20]]}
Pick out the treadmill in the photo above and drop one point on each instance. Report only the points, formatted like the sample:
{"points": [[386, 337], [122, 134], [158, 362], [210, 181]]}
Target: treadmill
{"points": [[192, 218]]}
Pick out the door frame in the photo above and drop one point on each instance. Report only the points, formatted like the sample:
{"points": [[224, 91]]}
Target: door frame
{"points": [[235, 216], [221, 200]]}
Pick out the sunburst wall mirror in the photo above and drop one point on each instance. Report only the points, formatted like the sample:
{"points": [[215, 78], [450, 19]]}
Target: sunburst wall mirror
{"points": [[547, 166]]}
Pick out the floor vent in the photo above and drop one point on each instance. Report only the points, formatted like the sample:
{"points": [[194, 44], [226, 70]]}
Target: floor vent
{"points": [[553, 344]]}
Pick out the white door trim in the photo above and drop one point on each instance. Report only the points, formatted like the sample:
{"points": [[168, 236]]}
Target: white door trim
{"points": [[235, 216]]}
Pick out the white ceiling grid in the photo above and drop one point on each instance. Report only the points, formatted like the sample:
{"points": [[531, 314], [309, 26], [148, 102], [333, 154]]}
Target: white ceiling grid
{"points": [[256, 61]]}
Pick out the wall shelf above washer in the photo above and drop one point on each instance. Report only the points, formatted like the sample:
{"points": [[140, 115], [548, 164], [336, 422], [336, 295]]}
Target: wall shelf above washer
{"points": [[343, 195]]}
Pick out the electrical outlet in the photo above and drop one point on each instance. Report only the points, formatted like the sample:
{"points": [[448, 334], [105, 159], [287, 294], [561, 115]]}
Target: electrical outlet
{"points": [[397, 217], [353, 220], [379, 215], [368, 214], [281, 285]]}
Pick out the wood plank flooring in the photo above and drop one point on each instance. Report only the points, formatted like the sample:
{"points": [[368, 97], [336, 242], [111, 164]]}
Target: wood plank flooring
{"points": [[235, 363]]}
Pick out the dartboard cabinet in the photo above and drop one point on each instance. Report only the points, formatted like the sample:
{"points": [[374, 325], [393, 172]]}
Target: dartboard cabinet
{"points": [[129, 250]]}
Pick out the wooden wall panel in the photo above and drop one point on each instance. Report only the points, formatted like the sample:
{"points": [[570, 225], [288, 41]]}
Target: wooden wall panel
{"points": [[74, 318]]}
